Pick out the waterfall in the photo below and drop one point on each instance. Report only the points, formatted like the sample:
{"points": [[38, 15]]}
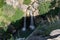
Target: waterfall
{"points": [[24, 26], [32, 22]]}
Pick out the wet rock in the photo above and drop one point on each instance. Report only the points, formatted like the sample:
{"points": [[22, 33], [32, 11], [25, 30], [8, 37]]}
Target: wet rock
{"points": [[23, 7], [20, 39], [28, 13], [55, 32], [49, 39], [57, 38], [31, 8], [36, 13], [35, 5]]}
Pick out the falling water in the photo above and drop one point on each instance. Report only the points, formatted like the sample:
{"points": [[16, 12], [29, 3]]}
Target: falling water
{"points": [[32, 23], [24, 26]]}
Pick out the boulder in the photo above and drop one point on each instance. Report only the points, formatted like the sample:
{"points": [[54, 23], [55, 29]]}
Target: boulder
{"points": [[35, 5], [23, 7], [55, 32], [36, 13]]}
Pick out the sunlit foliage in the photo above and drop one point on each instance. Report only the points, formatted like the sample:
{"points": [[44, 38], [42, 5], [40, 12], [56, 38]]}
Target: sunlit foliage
{"points": [[8, 14], [44, 7]]}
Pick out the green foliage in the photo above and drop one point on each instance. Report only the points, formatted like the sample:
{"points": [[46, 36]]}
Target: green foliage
{"points": [[2, 3], [2, 24], [27, 2], [17, 16], [5, 13], [44, 7], [8, 14], [12, 38]]}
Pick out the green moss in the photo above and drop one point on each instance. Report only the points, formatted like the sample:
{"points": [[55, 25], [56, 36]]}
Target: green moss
{"points": [[27, 2], [9, 14], [44, 7], [18, 15]]}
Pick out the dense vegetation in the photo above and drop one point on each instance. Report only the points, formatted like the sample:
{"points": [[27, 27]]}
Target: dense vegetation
{"points": [[48, 10], [7, 15], [45, 6], [51, 12]]}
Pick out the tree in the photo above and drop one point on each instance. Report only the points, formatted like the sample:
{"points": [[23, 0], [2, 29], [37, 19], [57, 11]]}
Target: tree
{"points": [[44, 7]]}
